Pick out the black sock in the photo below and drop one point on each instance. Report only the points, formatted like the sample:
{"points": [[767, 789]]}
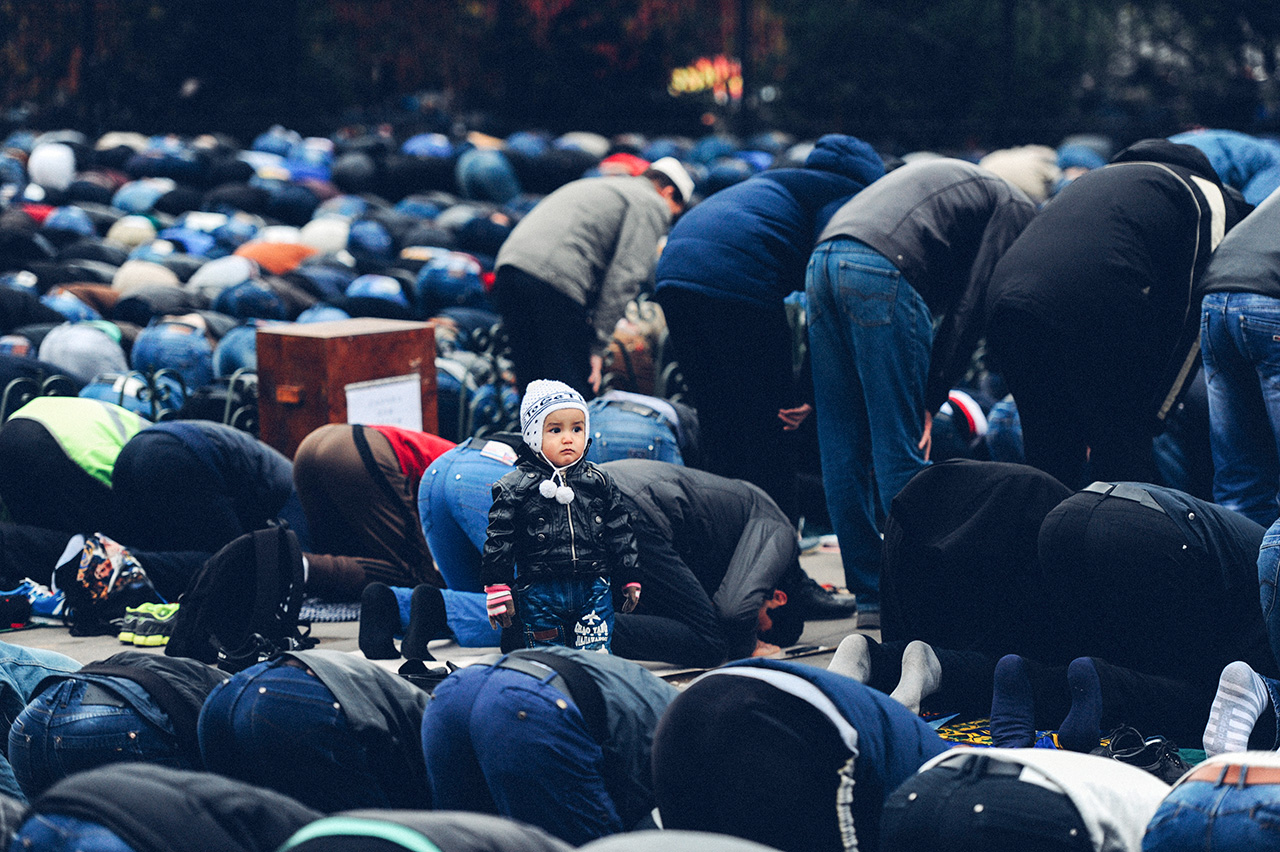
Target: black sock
{"points": [[427, 620], [379, 622], [1013, 711], [1081, 730]]}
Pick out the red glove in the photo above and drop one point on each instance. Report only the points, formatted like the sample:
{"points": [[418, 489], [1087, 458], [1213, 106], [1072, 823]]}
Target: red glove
{"points": [[501, 606], [630, 596]]}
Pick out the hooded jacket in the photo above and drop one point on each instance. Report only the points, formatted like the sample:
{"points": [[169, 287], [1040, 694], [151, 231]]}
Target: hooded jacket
{"points": [[1244, 162], [590, 536], [750, 242], [157, 809]]}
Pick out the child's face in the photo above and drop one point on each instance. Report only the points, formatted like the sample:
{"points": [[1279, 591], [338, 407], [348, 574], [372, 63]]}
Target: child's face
{"points": [[564, 436]]}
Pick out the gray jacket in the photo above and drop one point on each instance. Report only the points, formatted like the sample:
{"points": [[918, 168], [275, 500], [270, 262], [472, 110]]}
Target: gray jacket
{"points": [[596, 241]]}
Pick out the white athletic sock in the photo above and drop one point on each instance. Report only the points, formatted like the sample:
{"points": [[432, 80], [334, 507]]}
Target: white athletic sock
{"points": [[921, 676], [1241, 698], [852, 658]]}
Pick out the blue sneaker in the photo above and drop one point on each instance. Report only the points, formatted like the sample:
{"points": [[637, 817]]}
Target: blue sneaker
{"points": [[45, 604]]}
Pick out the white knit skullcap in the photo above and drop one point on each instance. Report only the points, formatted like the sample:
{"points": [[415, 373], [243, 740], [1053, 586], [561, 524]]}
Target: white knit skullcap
{"points": [[542, 397]]}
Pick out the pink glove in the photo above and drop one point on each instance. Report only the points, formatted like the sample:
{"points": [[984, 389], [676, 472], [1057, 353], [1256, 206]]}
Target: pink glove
{"points": [[501, 606], [630, 596]]}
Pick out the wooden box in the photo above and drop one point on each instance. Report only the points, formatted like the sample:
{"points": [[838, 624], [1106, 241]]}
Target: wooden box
{"points": [[365, 370]]}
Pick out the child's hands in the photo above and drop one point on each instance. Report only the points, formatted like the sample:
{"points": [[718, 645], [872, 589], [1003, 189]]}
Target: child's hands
{"points": [[501, 606], [630, 596]]}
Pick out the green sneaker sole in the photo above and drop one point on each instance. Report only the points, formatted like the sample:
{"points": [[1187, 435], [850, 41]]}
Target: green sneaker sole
{"points": [[153, 641]]}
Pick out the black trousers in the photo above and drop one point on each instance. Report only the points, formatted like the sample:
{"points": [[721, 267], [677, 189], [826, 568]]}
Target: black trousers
{"points": [[736, 360], [1151, 703], [676, 622], [550, 334], [1082, 402]]}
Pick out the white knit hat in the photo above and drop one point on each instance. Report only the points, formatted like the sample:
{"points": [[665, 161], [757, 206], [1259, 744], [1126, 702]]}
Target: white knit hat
{"points": [[540, 399]]}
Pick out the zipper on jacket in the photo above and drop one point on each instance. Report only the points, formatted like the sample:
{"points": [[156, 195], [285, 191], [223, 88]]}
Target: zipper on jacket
{"points": [[573, 550]]}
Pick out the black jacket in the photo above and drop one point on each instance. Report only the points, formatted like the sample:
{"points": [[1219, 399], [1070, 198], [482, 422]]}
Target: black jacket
{"points": [[1114, 261], [158, 809], [730, 534], [589, 537]]}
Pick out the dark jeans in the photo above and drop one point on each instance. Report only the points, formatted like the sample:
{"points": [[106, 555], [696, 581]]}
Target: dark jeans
{"points": [[736, 359], [501, 741], [278, 726], [576, 612], [77, 725], [550, 334]]}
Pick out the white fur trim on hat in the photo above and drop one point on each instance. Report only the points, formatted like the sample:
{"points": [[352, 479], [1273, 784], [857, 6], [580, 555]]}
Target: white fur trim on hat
{"points": [[540, 399], [672, 168]]}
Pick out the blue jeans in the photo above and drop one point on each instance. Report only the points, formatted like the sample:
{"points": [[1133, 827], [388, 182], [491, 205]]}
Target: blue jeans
{"points": [[1239, 342], [21, 670], [466, 613], [1269, 585], [504, 742], [620, 433], [577, 610], [77, 725], [1207, 815], [60, 833], [453, 504], [1004, 433], [278, 726], [870, 335]]}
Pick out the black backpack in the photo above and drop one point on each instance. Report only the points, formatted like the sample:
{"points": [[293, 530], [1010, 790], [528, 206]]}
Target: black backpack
{"points": [[242, 606]]}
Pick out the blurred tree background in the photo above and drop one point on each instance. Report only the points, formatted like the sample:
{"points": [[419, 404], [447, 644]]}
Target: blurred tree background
{"points": [[901, 73]]}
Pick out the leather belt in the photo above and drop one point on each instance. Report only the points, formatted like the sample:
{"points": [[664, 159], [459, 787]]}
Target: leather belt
{"points": [[532, 668], [1235, 774]]}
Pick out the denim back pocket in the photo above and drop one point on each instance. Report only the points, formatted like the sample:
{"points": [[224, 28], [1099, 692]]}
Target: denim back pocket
{"points": [[868, 293]]}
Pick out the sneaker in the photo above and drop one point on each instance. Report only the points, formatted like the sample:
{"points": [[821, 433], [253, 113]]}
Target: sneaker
{"points": [[154, 628], [45, 604], [132, 617]]}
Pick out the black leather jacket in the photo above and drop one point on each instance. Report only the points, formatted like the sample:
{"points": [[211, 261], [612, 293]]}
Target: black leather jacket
{"points": [[589, 537]]}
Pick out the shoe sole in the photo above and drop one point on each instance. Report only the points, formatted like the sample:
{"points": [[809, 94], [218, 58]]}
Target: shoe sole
{"points": [[150, 641], [127, 638]]}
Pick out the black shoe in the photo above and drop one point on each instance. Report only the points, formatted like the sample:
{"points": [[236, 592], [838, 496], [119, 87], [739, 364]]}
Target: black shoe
{"points": [[815, 603], [1157, 755]]}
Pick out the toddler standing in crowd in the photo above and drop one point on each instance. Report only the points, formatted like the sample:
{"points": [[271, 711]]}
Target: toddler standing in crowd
{"points": [[557, 531]]}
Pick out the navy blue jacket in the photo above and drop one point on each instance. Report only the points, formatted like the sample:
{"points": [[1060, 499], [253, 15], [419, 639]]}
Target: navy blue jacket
{"points": [[750, 242]]}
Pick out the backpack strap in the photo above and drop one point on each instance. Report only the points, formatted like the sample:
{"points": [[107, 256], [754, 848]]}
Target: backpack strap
{"points": [[379, 476], [583, 689]]}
